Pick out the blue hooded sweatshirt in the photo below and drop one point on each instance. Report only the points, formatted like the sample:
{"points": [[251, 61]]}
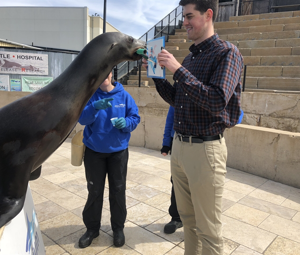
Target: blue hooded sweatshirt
{"points": [[169, 130], [99, 134]]}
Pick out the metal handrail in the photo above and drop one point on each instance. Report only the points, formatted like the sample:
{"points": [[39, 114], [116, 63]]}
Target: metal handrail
{"points": [[165, 28]]}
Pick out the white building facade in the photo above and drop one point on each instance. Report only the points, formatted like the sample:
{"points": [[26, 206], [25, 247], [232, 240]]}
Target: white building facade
{"points": [[54, 27]]}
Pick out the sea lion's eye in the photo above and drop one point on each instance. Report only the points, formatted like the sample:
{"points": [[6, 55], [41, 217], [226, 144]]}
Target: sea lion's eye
{"points": [[131, 39]]}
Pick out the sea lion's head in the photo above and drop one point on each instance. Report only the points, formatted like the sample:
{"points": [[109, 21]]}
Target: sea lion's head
{"points": [[125, 46], [111, 49]]}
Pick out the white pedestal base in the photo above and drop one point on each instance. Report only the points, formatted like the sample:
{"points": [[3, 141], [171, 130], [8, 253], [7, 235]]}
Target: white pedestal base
{"points": [[22, 235]]}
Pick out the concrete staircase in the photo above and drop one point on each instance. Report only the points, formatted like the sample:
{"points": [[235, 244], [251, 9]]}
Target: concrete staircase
{"points": [[269, 43], [268, 145]]}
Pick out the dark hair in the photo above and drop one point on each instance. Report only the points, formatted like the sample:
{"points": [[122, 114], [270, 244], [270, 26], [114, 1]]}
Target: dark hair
{"points": [[203, 5]]}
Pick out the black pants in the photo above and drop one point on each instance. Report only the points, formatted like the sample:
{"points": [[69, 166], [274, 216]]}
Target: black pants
{"points": [[173, 207], [97, 165]]}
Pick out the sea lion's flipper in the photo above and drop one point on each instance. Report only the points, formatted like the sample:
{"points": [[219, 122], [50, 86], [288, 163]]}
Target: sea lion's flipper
{"points": [[9, 208], [13, 190], [35, 174]]}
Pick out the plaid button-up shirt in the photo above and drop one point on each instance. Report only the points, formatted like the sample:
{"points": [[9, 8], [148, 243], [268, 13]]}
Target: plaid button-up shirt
{"points": [[207, 89]]}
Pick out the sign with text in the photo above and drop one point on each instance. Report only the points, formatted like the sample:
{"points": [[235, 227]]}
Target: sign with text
{"points": [[33, 83], [15, 85], [4, 83], [23, 63]]}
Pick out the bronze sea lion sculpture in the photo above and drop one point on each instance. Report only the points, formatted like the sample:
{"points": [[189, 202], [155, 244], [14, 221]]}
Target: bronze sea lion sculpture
{"points": [[33, 127]]}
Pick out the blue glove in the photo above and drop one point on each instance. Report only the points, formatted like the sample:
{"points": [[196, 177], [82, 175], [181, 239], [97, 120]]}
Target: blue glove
{"points": [[103, 103], [120, 123]]}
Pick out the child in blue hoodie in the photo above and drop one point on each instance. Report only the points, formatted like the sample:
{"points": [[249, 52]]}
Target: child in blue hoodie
{"points": [[107, 153]]}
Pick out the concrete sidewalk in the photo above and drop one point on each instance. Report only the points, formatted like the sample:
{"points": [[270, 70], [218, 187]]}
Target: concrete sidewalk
{"points": [[259, 216]]}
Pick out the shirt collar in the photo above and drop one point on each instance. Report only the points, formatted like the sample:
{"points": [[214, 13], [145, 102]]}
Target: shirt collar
{"points": [[206, 44]]}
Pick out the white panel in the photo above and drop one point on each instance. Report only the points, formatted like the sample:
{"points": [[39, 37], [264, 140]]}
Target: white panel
{"points": [[71, 39], [48, 13], [22, 25], [47, 25]]}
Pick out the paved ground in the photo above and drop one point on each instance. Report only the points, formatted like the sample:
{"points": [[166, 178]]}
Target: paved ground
{"points": [[260, 216]]}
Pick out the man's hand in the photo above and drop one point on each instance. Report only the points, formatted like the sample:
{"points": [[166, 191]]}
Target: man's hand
{"points": [[103, 103], [166, 59]]}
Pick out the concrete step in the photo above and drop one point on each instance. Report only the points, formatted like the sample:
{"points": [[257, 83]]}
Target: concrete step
{"points": [[180, 30], [180, 36], [243, 34], [268, 20], [136, 83], [273, 71], [227, 31], [273, 83], [262, 36], [292, 26], [275, 15], [291, 42], [261, 22], [293, 60], [270, 51], [180, 59], [256, 43], [181, 33], [144, 73], [286, 21], [252, 71], [251, 23], [272, 91], [266, 51], [253, 29], [226, 24], [180, 53], [257, 20], [182, 40], [291, 71], [168, 48], [296, 51], [279, 15], [181, 46], [145, 78]]}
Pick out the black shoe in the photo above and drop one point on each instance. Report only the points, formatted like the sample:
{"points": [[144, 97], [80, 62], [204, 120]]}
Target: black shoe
{"points": [[171, 227], [87, 238], [119, 238]]}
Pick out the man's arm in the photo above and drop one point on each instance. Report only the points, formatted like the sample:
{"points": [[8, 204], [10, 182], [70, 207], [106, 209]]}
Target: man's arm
{"points": [[163, 87], [213, 97]]}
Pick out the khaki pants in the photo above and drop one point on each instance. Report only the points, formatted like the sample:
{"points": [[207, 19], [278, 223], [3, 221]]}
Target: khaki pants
{"points": [[198, 172]]}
